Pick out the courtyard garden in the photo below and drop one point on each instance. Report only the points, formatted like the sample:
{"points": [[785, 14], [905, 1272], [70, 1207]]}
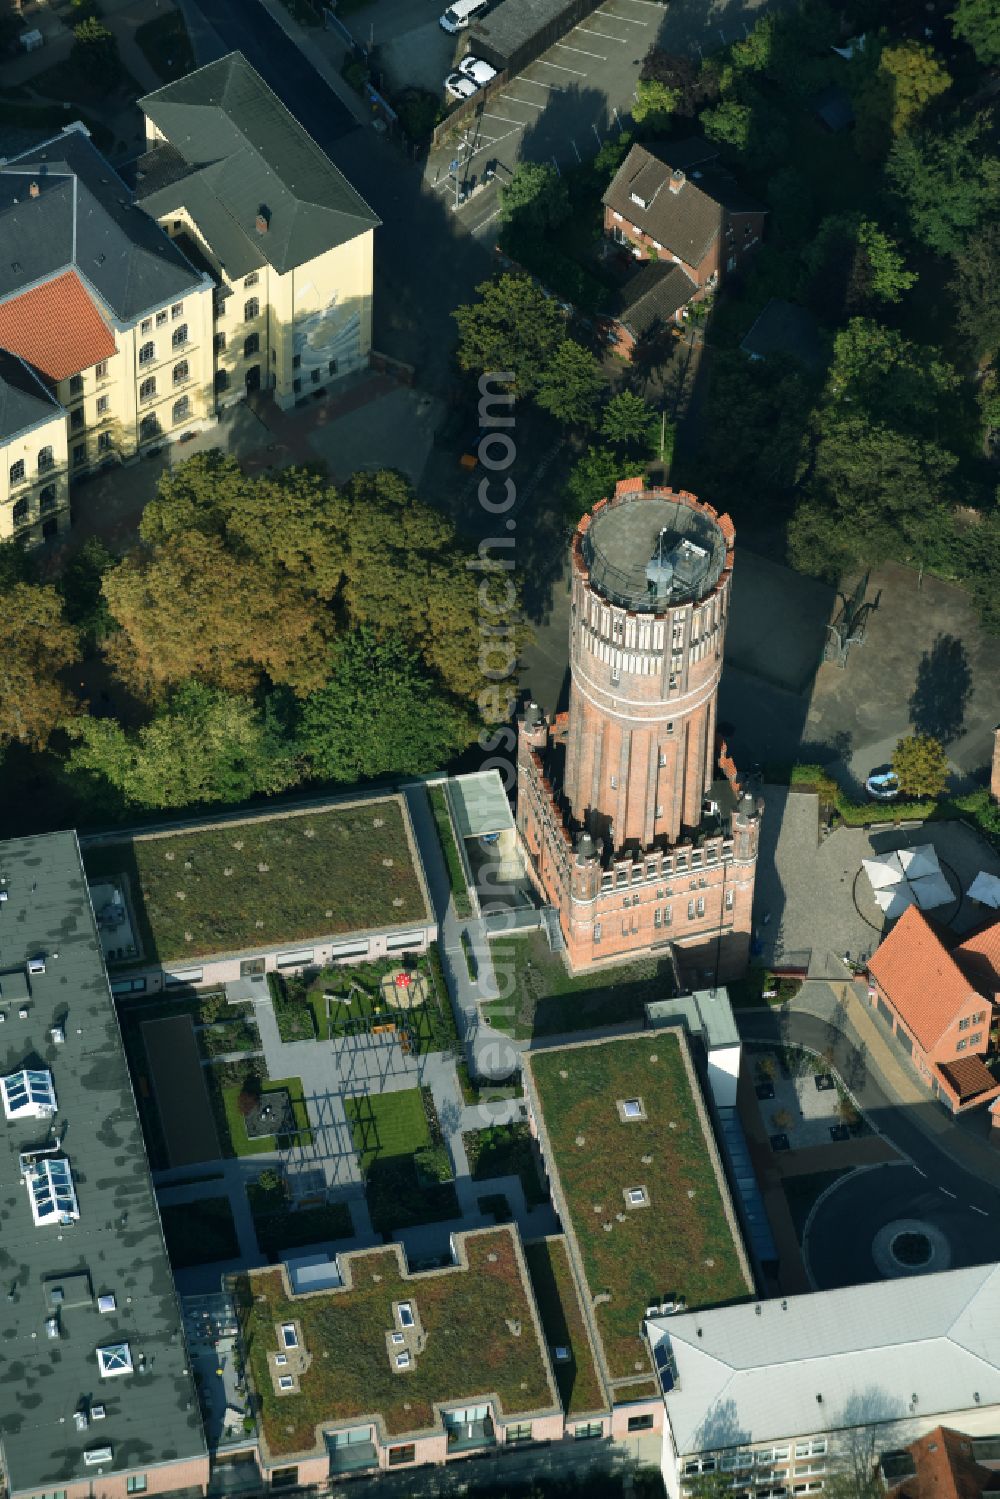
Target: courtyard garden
{"points": [[506, 1150], [250, 884], [279, 1226], [255, 1114], [802, 1100], [199, 1232], [541, 998], [403, 1157]]}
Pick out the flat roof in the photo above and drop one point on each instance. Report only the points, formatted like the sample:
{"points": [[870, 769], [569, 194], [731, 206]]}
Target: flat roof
{"points": [[564, 1324], [250, 882], [684, 1239], [624, 536], [479, 804], [474, 1333], [115, 1247], [707, 1012]]}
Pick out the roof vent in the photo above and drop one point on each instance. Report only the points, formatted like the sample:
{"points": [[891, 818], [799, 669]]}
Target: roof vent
{"points": [[57, 1035], [37, 963], [96, 1455], [80, 1420], [34, 190], [263, 220], [677, 180]]}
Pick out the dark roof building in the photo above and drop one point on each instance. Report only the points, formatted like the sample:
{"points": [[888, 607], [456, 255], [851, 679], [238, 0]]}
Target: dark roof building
{"points": [[785, 328], [63, 209], [254, 181], [652, 296], [95, 1370], [24, 400]]}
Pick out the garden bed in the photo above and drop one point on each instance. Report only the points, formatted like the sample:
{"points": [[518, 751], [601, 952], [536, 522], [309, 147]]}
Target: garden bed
{"points": [[449, 848], [506, 1150], [231, 1082], [280, 1227], [545, 999]]}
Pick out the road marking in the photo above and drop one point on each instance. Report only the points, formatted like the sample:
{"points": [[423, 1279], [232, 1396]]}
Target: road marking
{"points": [[560, 69], [553, 88], [918, 1170], [483, 222], [606, 35], [653, 5], [946, 1192], [614, 16], [504, 119], [597, 56], [525, 103], [981, 1211]]}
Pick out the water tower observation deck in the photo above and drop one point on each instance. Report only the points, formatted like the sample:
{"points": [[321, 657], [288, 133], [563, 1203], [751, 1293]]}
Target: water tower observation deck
{"points": [[649, 552]]}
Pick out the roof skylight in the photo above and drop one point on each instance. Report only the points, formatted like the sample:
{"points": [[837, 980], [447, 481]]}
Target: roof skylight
{"points": [[51, 1191], [114, 1359], [28, 1094]]}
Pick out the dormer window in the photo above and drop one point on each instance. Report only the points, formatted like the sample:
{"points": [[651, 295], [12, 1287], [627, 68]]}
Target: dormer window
{"points": [[639, 201]]}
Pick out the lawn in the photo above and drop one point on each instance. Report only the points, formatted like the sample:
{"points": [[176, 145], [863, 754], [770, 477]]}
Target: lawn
{"points": [[681, 1243], [505, 1150], [199, 1232], [238, 1139], [561, 1315], [403, 1157], [477, 1322], [166, 46], [279, 1227], [449, 848], [543, 999], [756, 987], [482, 1092], [252, 884], [387, 1124]]}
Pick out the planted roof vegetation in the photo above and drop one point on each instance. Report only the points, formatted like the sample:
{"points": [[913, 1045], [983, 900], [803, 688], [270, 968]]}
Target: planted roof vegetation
{"points": [[471, 1348], [580, 1388], [250, 884], [681, 1244]]}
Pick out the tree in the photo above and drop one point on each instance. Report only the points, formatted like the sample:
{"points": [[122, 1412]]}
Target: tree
{"points": [[570, 385], [80, 586], [379, 712], [535, 199], [686, 83], [513, 328], [593, 477], [629, 423], [95, 52], [729, 124], [907, 79], [37, 644], [655, 104], [892, 380], [921, 766], [978, 23], [975, 288], [775, 395], [946, 183], [852, 265], [203, 746]]}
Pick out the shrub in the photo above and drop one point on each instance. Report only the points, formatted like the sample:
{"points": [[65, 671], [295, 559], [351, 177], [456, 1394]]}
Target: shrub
{"points": [[248, 1097]]}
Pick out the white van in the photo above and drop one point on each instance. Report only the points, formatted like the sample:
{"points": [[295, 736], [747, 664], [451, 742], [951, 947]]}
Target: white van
{"points": [[462, 13]]}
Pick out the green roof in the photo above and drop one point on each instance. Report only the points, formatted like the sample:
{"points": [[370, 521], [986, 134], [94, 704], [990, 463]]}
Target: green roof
{"points": [[250, 883], [564, 1326], [115, 1247], [232, 152], [685, 1241], [476, 1335]]}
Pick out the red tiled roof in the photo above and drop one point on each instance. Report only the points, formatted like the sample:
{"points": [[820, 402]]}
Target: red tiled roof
{"points": [[920, 978], [978, 956], [969, 1077], [56, 327], [945, 1469]]}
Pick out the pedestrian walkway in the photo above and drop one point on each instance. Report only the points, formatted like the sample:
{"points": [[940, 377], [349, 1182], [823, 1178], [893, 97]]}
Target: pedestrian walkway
{"points": [[326, 52]]}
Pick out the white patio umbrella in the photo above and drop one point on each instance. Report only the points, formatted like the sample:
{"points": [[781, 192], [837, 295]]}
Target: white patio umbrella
{"points": [[919, 861], [894, 900], [885, 871], [933, 890], [985, 888]]}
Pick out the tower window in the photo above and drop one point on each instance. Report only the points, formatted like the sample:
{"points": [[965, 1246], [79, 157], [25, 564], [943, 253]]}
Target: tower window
{"points": [[614, 783]]}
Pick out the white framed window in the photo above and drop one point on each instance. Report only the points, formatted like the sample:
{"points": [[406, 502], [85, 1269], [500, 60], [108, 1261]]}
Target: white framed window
{"points": [[286, 1382]]}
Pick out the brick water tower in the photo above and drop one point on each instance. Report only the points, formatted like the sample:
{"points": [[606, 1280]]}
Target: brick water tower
{"points": [[636, 828]]}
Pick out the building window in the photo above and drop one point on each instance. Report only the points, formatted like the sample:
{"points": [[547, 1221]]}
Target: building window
{"points": [[614, 783], [296, 386], [147, 390], [103, 405], [101, 370], [519, 1433], [667, 915], [79, 454], [400, 1455], [700, 905], [597, 931], [179, 337], [182, 410], [161, 318], [219, 342], [314, 376], [963, 1025], [147, 353], [657, 917], [46, 460], [640, 1423], [76, 419], [296, 361], [251, 345], [251, 280], [135, 1483], [251, 309], [17, 472], [148, 427], [221, 380], [47, 498], [815, 1448], [104, 442], [284, 1478], [587, 1430], [331, 368], [180, 372], [146, 326], [961, 1045], [21, 511], [177, 310], [690, 910], [976, 1039]]}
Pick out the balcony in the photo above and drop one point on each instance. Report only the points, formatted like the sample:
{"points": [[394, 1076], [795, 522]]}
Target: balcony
{"points": [[353, 1457], [470, 1436]]}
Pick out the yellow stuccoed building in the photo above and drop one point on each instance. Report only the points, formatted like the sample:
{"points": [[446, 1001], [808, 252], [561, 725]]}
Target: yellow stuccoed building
{"points": [[241, 262]]}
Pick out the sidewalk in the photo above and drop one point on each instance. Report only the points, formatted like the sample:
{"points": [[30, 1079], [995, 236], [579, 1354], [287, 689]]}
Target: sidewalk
{"points": [[325, 50]]}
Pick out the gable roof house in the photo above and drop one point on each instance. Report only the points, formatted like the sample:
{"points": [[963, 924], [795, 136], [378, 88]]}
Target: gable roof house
{"points": [[931, 998], [674, 206]]}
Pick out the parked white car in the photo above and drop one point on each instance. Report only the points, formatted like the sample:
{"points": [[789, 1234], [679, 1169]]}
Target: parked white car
{"points": [[479, 71], [462, 13], [460, 87]]}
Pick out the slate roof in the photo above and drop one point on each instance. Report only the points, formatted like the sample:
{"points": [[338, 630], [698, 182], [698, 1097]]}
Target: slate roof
{"points": [[232, 150], [84, 218], [752, 1373], [24, 400], [116, 1246], [653, 295], [686, 222], [921, 978], [56, 327], [978, 956]]}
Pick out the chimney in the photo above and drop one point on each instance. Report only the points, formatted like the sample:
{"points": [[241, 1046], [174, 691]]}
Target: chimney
{"points": [[677, 179], [263, 220], [34, 190]]}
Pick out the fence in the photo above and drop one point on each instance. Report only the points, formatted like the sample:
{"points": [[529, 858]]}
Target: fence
{"points": [[468, 107]]}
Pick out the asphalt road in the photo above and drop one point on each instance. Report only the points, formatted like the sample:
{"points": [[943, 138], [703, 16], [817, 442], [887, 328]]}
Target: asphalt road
{"points": [[933, 1187], [245, 26]]}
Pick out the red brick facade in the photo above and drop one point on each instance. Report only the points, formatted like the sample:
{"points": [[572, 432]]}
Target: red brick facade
{"points": [[639, 747], [741, 235]]}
